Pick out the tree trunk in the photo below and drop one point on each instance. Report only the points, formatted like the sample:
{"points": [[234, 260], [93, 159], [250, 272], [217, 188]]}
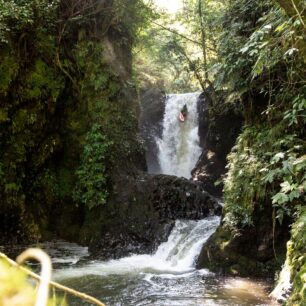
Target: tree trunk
{"points": [[203, 36], [294, 7]]}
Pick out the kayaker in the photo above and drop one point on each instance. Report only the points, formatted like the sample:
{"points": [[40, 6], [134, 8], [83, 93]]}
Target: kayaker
{"points": [[183, 113], [184, 110]]}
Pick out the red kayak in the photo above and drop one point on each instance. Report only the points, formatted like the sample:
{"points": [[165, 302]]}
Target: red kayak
{"points": [[182, 118]]}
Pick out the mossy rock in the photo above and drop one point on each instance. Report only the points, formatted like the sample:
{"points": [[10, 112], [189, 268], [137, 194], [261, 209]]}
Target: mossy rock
{"points": [[235, 254], [296, 254]]}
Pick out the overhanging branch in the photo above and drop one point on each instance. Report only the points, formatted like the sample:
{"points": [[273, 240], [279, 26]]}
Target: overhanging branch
{"points": [[180, 34]]}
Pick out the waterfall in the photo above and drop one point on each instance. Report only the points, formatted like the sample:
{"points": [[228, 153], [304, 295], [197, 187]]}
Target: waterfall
{"points": [[177, 255], [169, 276], [179, 148]]}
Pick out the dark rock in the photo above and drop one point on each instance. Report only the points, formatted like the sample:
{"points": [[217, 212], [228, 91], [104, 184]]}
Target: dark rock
{"points": [[218, 130], [248, 252], [179, 198], [151, 118], [141, 218]]}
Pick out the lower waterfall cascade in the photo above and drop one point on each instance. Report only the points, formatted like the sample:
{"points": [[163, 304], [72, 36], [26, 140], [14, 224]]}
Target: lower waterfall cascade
{"points": [[177, 255], [167, 277]]}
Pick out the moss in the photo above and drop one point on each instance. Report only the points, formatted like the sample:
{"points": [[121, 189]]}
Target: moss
{"points": [[237, 253], [8, 71], [296, 253], [42, 83], [51, 95], [4, 115]]}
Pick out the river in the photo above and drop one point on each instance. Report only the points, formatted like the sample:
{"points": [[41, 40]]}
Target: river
{"points": [[168, 277]]}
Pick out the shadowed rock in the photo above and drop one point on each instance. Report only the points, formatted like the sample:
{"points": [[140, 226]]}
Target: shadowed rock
{"points": [[150, 122], [141, 218], [218, 130]]}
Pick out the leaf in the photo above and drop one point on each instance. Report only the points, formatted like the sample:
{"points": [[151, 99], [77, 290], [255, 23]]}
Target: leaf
{"points": [[269, 177], [300, 160], [244, 49], [263, 44], [277, 157], [268, 27], [291, 51], [286, 187], [280, 198], [281, 27], [295, 194], [280, 215], [287, 166]]}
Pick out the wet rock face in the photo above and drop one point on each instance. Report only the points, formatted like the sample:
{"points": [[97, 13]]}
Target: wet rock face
{"points": [[150, 122], [218, 131], [249, 252], [178, 198], [141, 218]]}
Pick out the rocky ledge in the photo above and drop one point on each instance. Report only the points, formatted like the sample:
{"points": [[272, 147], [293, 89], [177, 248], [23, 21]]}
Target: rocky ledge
{"points": [[249, 251], [141, 218]]}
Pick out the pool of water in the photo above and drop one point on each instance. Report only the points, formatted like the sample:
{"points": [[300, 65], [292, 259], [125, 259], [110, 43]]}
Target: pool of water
{"points": [[151, 288], [166, 278]]}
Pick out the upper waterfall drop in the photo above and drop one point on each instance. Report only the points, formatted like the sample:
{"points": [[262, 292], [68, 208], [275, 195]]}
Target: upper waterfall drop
{"points": [[179, 147]]}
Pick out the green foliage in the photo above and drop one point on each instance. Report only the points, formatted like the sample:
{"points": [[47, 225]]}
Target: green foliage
{"points": [[258, 44], [297, 259], [261, 66], [233, 69], [128, 20], [91, 186], [17, 290], [21, 16], [101, 89], [8, 71], [42, 83], [170, 50], [59, 76], [264, 165], [263, 63], [296, 115], [243, 184], [95, 77], [290, 170]]}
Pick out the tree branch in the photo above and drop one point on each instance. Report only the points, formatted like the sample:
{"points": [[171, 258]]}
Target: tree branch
{"points": [[76, 293], [179, 34], [294, 7]]}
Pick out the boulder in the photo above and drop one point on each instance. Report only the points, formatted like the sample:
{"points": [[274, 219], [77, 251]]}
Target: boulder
{"points": [[141, 218], [249, 251]]}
